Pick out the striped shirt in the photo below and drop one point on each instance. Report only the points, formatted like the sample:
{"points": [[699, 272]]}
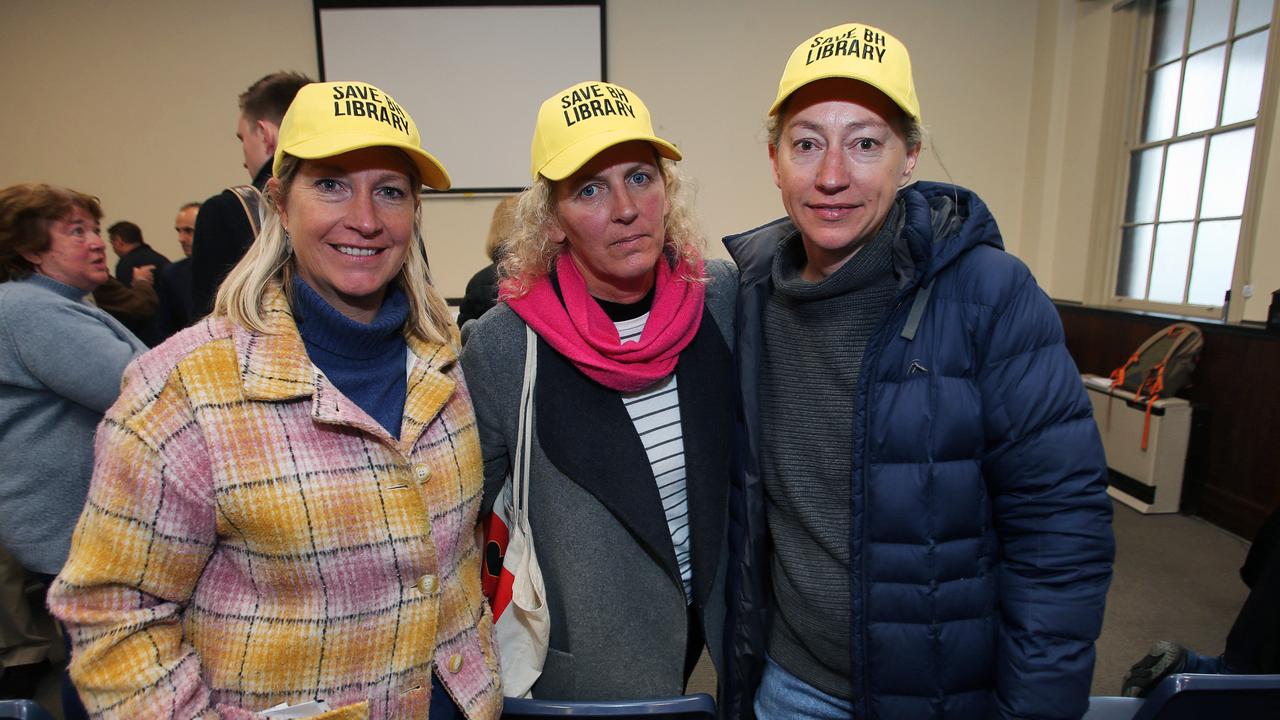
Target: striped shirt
{"points": [[655, 412]]}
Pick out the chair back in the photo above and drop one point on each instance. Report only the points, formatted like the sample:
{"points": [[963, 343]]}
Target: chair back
{"points": [[1221, 697], [1109, 707], [23, 710], [688, 707]]}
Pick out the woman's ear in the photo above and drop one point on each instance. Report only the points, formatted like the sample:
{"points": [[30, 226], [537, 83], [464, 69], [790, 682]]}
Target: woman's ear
{"points": [[277, 199], [909, 166]]}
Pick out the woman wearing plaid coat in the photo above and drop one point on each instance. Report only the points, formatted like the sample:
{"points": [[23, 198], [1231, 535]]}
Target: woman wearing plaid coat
{"points": [[284, 502]]}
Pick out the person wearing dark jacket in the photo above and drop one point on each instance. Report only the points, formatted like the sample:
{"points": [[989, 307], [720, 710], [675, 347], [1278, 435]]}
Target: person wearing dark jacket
{"points": [[919, 525], [223, 228], [173, 285], [133, 251], [482, 288]]}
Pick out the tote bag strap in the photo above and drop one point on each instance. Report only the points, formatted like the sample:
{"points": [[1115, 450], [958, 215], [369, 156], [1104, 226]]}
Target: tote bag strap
{"points": [[524, 435]]}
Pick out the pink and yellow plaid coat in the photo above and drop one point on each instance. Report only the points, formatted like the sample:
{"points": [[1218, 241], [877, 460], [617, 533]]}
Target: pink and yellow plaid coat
{"points": [[252, 537]]}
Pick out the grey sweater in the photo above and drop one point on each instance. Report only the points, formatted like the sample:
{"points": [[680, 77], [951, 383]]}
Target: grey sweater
{"points": [[61, 360], [815, 335]]}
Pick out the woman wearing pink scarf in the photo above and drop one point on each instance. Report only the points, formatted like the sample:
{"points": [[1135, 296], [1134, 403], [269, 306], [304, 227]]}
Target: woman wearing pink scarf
{"points": [[632, 411]]}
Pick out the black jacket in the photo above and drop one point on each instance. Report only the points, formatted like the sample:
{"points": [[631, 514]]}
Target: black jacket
{"points": [[482, 294], [174, 311], [144, 254], [223, 235]]}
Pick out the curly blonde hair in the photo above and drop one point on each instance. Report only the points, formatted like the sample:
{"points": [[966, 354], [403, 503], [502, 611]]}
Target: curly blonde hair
{"points": [[270, 264], [531, 250]]}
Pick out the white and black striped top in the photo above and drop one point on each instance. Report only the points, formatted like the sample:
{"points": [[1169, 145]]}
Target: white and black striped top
{"points": [[655, 412]]}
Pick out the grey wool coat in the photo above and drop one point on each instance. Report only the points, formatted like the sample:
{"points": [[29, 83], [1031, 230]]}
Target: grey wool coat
{"points": [[619, 622]]}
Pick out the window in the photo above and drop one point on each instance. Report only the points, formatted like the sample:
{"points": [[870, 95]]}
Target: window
{"points": [[1190, 165]]}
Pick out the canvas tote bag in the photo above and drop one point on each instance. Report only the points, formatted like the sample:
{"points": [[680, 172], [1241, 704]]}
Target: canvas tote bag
{"points": [[513, 580]]}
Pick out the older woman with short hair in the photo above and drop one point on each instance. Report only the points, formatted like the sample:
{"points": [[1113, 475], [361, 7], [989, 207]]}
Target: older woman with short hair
{"points": [[284, 505], [629, 472], [61, 360]]}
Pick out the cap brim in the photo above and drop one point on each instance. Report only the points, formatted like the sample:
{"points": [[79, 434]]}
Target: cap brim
{"points": [[781, 99], [567, 161], [433, 173]]}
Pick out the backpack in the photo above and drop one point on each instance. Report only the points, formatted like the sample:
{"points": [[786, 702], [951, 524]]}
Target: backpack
{"points": [[251, 200], [1160, 367]]}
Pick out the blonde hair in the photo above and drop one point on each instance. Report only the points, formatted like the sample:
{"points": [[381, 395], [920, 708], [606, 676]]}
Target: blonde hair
{"points": [[504, 220], [532, 249], [269, 267]]}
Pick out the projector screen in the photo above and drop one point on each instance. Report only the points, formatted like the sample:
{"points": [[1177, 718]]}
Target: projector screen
{"points": [[471, 75]]}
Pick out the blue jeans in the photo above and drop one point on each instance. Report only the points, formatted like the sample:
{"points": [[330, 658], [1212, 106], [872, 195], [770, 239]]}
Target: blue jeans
{"points": [[1206, 664], [783, 696]]}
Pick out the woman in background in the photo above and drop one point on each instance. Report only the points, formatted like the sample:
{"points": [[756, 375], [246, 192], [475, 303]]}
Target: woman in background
{"points": [[284, 504], [482, 289], [61, 360], [628, 482]]}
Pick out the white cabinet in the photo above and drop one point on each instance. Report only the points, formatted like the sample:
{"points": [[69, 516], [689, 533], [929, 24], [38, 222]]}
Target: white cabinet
{"points": [[1150, 480]]}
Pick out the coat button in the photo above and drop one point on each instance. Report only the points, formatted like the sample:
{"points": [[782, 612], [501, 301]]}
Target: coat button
{"points": [[422, 471], [455, 663], [427, 584]]}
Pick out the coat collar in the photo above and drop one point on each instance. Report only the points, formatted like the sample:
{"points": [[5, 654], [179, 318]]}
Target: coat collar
{"points": [[274, 367]]}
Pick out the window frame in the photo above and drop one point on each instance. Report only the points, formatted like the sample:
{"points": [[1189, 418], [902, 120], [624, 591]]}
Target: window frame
{"points": [[1132, 32]]}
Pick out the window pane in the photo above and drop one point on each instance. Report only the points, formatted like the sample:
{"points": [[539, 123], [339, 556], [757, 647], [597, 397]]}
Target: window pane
{"points": [[1252, 14], [1209, 24], [1169, 264], [1181, 180], [1162, 102], [1215, 262], [1171, 23], [1144, 180], [1200, 89], [1244, 79], [1135, 250], [1227, 174]]}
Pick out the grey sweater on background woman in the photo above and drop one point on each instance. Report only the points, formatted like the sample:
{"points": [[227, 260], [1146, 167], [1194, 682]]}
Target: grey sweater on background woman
{"points": [[61, 360]]}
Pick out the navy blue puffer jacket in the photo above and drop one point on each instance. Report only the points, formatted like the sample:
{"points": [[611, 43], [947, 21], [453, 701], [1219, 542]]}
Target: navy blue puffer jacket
{"points": [[981, 535]]}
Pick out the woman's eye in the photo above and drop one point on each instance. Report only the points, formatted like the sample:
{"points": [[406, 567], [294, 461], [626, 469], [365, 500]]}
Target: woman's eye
{"points": [[393, 193], [588, 191], [866, 144], [805, 145], [327, 184], [640, 178]]}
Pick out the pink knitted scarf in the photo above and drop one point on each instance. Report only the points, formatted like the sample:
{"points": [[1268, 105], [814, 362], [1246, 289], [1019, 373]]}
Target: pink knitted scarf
{"points": [[581, 331]]}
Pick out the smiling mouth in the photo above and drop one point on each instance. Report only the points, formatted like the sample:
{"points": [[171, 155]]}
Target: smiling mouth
{"points": [[356, 251]]}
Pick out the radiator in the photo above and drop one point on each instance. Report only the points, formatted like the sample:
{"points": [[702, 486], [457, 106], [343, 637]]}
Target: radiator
{"points": [[1150, 481]]}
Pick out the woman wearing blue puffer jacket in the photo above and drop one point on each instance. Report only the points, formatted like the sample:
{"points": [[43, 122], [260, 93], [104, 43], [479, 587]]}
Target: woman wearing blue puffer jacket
{"points": [[919, 520]]}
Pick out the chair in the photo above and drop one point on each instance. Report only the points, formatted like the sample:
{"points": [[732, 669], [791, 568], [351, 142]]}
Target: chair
{"points": [[1107, 707], [1221, 697], [688, 707], [23, 710], [1188, 696]]}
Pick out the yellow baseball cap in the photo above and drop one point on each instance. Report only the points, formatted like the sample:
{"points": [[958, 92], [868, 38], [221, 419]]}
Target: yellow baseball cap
{"points": [[858, 52], [577, 123], [331, 118]]}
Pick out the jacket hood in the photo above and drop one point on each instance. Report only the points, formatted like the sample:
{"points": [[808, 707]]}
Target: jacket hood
{"points": [[942, 221]]}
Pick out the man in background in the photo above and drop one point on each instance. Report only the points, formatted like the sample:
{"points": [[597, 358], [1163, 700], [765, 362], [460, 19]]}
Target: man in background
{"points": [[128, 245], [173, 284], [228, 221], [131, 297]]}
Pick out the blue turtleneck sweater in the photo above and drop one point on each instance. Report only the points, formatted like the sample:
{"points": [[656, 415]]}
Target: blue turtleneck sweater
{"points": [[364, 361]]}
